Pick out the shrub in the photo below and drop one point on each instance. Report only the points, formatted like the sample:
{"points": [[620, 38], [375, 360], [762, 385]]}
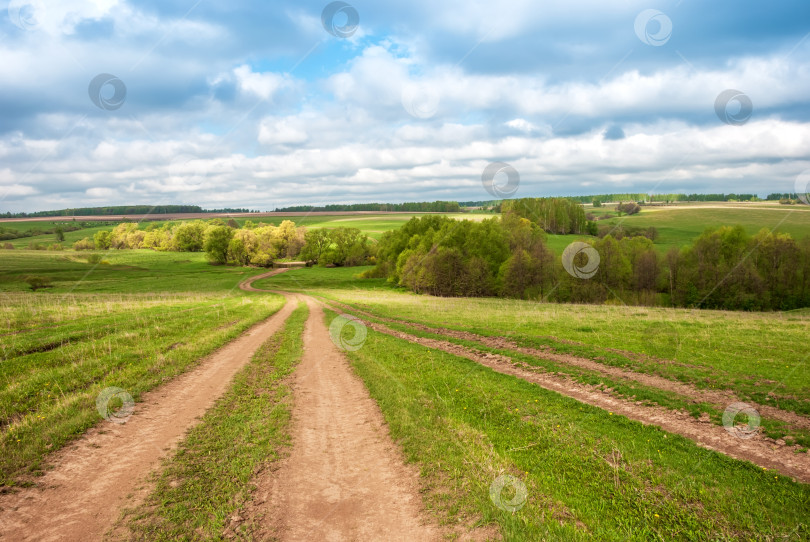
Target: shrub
{"points": [[93, 258], [629, 208], [8, 246], [36, 283], [84, 244]]}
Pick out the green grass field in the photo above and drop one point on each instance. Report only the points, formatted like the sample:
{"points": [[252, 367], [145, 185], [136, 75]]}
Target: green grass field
{"points": [[712, 350], [139, 318], [60, 351], [588, 475]]}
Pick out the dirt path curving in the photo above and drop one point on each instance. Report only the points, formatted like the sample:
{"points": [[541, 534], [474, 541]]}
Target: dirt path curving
{"points": [[92, 479], [247, 284], [344, 479]]}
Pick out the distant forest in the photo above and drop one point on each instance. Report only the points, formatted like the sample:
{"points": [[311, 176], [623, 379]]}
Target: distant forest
{"points": [[125, 210], [412, 207]]}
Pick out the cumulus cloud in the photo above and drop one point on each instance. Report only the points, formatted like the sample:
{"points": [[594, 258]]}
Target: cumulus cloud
{"points": [[261, 107]]}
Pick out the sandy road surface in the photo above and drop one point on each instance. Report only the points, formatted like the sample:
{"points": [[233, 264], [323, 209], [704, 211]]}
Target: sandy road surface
{"points": [[91, 480], [344, 479]]}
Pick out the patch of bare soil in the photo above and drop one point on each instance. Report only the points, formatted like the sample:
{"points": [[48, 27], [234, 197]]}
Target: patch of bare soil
{"points": [[718, 398], [344, 478], [758, 449], [92, 479]]}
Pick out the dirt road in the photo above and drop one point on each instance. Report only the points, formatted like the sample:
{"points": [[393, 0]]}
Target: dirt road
{"points": [[344, 479], [81, 497]]}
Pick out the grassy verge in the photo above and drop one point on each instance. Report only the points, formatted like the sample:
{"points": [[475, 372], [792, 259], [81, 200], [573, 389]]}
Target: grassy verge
{"points": [[209, 478], [589, 475], [55, 364]]}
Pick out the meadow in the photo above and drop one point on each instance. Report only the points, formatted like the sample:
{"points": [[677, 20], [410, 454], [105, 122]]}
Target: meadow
{"points": [[136, 319]]}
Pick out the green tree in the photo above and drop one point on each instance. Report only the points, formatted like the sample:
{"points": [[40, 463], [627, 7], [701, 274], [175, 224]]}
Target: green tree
{"points": [[216, 242], [102, 239], [189, 236], [316, 242]]}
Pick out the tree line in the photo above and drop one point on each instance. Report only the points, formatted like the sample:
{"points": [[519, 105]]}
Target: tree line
{"points": [[228, 243], [724, 268], [125, 210], [412, 207]]}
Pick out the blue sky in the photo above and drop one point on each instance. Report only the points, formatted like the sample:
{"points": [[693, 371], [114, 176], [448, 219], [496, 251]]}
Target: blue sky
{"points": [[256, 104]]}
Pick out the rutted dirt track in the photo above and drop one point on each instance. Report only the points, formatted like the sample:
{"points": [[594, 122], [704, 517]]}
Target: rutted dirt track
{"points": [[81, 497], [344, 478], [719, 398], [757, 450]]}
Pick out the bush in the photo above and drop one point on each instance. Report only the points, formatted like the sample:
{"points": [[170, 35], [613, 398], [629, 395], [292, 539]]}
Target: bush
{"points": [[36, 283], [93, 258], [8, 246], [597, 203], [84, 244], [629, 208]]}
